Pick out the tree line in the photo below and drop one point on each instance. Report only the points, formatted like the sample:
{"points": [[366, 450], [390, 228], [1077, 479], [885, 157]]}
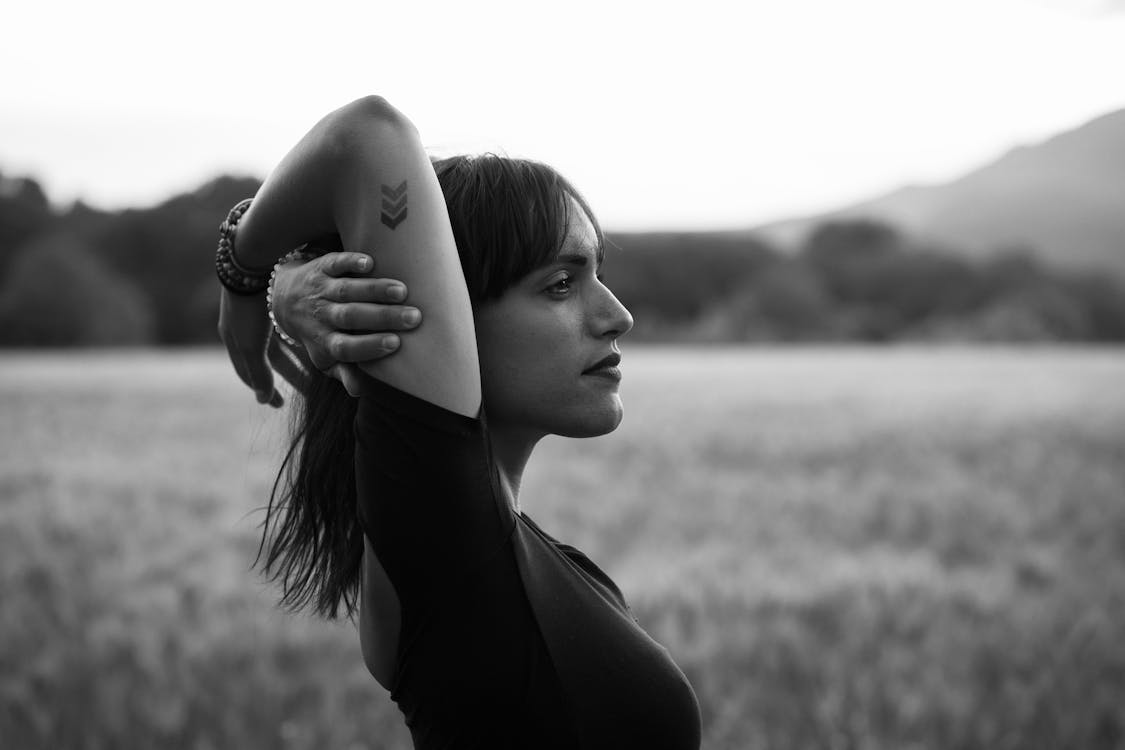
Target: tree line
{"points": [[83, 277]]}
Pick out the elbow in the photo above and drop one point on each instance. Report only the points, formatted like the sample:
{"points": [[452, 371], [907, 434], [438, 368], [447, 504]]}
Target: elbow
{"points": [[373, 106], [370, 108], [365, 122]]}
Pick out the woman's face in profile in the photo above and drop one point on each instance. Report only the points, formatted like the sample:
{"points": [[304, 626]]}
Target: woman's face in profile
{"points": [[537, 340]]}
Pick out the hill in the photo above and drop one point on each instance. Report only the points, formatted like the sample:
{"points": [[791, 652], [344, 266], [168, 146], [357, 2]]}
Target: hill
{"points": [[1062, 198]]}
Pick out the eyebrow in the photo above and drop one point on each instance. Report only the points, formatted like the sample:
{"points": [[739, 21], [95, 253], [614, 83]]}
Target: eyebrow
{"points": [[575, 259]]}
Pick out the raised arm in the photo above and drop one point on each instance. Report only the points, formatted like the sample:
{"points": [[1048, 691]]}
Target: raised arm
{"points": [[362, 173]]}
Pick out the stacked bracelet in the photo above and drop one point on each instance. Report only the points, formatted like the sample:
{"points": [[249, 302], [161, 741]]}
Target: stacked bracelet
{"points": [[302, 254], [232, 275]]}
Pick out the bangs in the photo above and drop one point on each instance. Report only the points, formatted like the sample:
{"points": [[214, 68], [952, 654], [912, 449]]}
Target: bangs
{"points": [[509, 217]]}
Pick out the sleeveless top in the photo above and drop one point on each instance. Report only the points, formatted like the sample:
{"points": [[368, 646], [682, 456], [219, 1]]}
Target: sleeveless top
{"points": [[509, 638]]}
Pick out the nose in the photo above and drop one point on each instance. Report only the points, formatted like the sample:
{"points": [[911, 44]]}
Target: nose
{"points": [[613, 319]]}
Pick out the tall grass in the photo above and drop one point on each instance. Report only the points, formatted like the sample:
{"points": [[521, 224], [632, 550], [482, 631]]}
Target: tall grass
{"points": [[842, 548]]}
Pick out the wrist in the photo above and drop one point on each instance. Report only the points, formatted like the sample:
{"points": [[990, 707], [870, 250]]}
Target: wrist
{"points": [[279, 301], [248, 253], [235, 276], [241, 319]]}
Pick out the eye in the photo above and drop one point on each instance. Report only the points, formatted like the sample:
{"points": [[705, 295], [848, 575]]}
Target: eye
{"points": [[561, 287]]}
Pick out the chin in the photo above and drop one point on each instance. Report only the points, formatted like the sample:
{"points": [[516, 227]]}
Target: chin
{"points": [[593, 423]]}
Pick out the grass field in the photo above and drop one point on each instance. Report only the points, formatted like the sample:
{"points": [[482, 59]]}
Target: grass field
{"points": [[853, 548]]}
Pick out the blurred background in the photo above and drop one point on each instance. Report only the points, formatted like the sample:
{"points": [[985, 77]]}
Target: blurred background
{"points": [[870, 489]]}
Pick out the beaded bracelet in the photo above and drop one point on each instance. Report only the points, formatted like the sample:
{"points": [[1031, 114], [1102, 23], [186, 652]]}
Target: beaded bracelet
{"points": [[302, 254], [232, 275]]}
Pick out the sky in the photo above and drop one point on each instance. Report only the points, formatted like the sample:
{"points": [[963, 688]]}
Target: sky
{"points": [[687, 115]]}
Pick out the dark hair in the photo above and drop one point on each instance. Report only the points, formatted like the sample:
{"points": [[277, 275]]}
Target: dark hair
{"points": [[509, 217]]}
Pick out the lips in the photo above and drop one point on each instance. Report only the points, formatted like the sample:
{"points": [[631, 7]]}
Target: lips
{"points": [[613, 360]]}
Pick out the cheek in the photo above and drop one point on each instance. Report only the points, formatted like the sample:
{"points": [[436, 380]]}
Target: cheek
{"points": [[526, 358], [520, 352]]}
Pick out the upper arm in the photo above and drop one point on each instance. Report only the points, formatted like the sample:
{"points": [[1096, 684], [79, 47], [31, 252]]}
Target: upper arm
{"points": [[387, 202], [380, 619]]}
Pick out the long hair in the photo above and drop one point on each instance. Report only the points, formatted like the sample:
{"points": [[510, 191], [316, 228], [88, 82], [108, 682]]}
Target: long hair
{"points": [[509, 217]]}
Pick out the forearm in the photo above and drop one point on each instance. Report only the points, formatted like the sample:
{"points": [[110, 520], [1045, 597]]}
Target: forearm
{"points": [[307, 196], [312, 196]]}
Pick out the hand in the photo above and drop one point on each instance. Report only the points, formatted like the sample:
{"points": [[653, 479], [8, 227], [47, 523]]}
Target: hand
{"points": [[245, 331], [340, 315]]}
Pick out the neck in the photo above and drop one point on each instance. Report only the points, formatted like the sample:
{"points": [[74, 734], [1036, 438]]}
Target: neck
{"points": [[511, 449]]}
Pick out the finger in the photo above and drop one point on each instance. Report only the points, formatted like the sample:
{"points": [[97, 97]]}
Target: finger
{"points": [[238, 361], [261, 380], [352, 378], [261, 376], [389, 290], [339, 372], [364, 316], [346, 347], [382, 291], [343, 264], [253, 370], [238, 355]]}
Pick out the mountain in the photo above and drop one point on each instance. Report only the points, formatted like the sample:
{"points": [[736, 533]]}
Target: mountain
{"points": [[1064, 199]]}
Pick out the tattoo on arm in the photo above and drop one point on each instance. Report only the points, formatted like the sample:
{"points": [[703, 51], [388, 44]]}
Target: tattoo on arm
{"points": [[394, 205]]}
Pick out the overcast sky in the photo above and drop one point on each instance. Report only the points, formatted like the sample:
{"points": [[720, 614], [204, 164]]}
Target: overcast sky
{"points": [[666, 115]]}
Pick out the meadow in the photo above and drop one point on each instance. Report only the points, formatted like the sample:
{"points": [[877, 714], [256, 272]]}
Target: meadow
{"points": [[843, 548]]}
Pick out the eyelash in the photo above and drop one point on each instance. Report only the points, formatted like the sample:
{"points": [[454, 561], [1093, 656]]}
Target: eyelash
{"points": [[569, 280], [553, 288]]}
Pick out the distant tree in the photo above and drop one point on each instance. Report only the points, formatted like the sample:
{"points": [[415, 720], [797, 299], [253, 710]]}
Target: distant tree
{"points": [[1104, 300], [675, 276], [58, 293], [83, 220], [1060, 315], [845, 254], [787, 301], [168, 250], [1007, 271], [201, 315], [919, 283], [24, 212], [86, 276], [1020, 299], [1040, 314]]}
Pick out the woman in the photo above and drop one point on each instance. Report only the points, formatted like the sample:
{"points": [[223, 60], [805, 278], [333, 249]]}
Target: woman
{"points": [[488, 632]]}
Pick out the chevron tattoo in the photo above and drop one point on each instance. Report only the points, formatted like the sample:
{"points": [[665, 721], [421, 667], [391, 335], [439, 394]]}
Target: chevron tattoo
{"points": [[394, 205]]}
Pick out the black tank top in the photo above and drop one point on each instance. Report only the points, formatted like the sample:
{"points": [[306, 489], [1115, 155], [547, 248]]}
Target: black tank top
{"points": [[509, 638]]}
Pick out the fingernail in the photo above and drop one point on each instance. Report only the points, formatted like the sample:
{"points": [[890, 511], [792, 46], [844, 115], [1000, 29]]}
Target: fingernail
{"points": [[390, 342], [261, 396], [396, 292], [411, 317], [364, 263]]}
